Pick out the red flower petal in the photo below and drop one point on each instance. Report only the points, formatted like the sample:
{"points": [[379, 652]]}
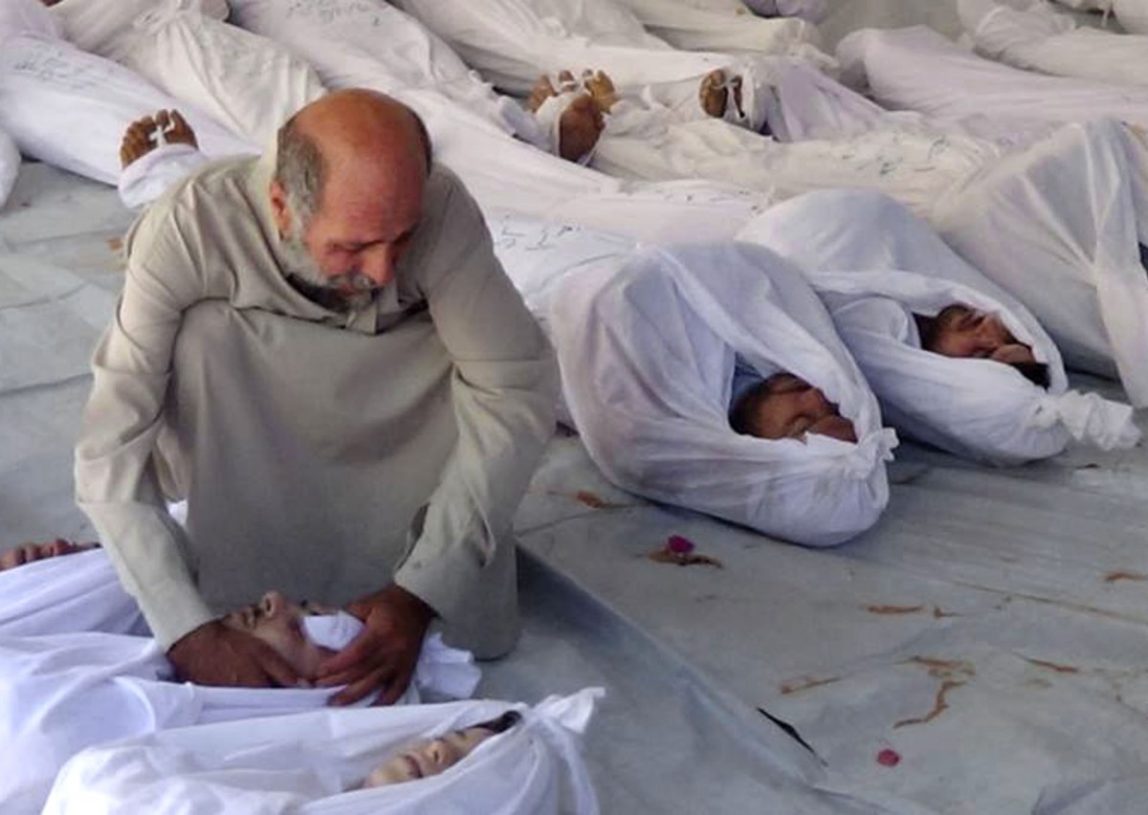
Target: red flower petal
{"points": [[888, 758], [679, 545]]}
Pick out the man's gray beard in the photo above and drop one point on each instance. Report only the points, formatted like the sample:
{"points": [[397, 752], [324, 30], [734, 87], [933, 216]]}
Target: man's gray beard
{"points": [[304, 274]]}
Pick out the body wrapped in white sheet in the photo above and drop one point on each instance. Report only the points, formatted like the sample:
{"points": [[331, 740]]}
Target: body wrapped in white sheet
{"points": [[244, 81], [67, 594], [875, 264], [1075, 198], [311, 763], [684, 24], [513, 42], [347, 38], [1059, 226], [9, 165], [70, 108], [646, 343], [1039, 38], [61, 693], [918, 69]]}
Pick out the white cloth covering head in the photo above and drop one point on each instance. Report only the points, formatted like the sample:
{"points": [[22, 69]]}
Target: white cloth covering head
{"points": [[646, 345], [312, 764], [9, 165], [333, 631], [876, 264]]}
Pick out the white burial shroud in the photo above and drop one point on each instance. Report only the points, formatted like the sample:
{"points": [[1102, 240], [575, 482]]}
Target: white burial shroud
{"points": [[730, 26], [372, 43], [60, 693], [875, 264], [244, 81], [918, 69], [66, 595], [513, 42], [1039, 38], [646, 341], [1074, 196], [70, 108], [311, 764]]}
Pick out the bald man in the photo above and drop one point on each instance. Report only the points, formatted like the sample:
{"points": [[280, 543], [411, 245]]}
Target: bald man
{"points": [[319, 350]]}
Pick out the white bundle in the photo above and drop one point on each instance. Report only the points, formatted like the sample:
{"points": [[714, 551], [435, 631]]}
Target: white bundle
{"points": [[646, 343], [875, 264], [304, 763], [1036, 37]]}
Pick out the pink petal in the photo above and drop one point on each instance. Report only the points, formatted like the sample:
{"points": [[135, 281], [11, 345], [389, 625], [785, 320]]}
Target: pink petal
{"points": [[679, 545], [888, 758]]}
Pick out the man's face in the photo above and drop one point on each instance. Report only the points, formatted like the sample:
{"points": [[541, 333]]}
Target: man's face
{"points": [[279, 622], [361, 229], [965, 332], [793, 408], [427, 758]]}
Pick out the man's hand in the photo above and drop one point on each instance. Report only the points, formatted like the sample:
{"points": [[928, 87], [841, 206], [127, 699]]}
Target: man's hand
{"points": [[382, 658], [215, 654]]}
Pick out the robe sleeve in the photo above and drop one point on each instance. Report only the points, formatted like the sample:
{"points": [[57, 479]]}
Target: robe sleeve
{"points": [[116, 482], [503, 390]]}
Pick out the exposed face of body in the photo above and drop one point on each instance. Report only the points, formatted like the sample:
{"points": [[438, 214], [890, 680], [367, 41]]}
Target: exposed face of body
{"points": [[423, 759], [961, 331], [791, 407], [279, 622]]}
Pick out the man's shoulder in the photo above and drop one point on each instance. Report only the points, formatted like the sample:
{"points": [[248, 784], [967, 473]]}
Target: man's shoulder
{"points": [[215, 197]]}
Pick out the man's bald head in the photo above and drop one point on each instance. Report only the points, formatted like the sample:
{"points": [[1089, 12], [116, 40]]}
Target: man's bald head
{"points": [[348, 187]]}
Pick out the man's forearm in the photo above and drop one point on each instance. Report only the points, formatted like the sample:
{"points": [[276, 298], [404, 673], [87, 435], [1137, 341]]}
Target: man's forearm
{"points": [[141, 541]]}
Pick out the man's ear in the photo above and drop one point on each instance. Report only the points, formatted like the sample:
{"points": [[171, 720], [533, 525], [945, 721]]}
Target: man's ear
{"points": [[280, 210]]}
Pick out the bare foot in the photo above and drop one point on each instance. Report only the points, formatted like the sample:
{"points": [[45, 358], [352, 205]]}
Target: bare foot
{"points": [[601, 87], [713, 93], [140, 138], [579, 127], [30, 552], [541, 91]]}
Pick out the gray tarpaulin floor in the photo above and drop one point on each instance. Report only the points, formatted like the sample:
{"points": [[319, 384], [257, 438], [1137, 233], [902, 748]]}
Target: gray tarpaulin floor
{"points": [[984, 649]]}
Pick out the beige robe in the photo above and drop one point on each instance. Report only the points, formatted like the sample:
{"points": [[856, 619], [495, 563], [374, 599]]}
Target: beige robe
{"points": [[321, 453]]}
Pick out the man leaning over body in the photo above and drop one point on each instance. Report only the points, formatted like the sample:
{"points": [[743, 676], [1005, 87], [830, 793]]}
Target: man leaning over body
{"points": [[319, 350]]}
